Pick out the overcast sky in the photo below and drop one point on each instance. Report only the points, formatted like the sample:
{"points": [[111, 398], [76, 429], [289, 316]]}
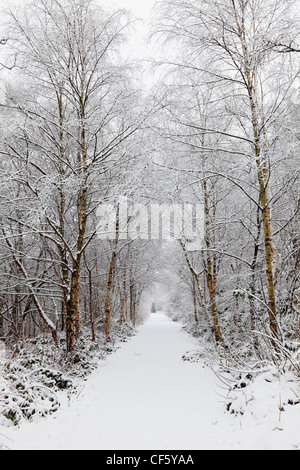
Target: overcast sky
{"points": [[138, 46], [142, 10]]}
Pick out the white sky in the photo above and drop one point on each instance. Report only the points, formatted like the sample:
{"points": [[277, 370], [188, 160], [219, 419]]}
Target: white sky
{"points": [[138, 46], [141, 10]]}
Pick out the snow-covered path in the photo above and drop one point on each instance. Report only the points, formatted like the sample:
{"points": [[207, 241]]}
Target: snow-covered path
{"points": [[143, 397]]}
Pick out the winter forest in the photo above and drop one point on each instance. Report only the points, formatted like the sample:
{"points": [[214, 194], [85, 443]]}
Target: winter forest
{"points": [[210, 119]]}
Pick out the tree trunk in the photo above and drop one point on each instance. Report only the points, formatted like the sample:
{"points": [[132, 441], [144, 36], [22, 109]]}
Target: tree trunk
{"points": [[92, 307], [73, 311], [108, 299], [210, 265], [195, 300]]}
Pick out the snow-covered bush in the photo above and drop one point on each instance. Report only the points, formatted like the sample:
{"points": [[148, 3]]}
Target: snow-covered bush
{"points": [[31, 381], [260, 394]]}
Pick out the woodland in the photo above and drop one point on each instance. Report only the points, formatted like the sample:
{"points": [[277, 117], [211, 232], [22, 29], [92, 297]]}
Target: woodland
{"points": [[81, 128]]}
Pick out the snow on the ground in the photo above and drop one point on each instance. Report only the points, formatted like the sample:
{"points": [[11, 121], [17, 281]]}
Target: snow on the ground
{"points": [[145, 397]]}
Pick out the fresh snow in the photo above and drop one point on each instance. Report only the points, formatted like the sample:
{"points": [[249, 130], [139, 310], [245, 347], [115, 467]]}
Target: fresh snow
{"points": [[145, 397]]}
